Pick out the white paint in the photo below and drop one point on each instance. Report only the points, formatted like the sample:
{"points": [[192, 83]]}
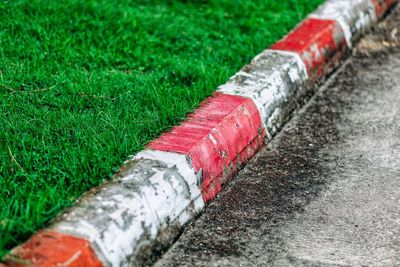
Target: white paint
{"points": [[159, 190], [184, 168], [274, 122], [296, 57], [353, 16], [212, 138], [270, 80]]}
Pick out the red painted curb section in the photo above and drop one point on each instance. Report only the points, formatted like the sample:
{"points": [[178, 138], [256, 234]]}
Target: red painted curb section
{"points": [[220, 136], [320, 44], [381, 6], [50, 248]]}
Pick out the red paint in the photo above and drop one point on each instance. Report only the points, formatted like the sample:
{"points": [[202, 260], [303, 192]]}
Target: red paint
{"points": [[382, 6], [223, 133], [49, 249], [214, 186], [320, 44]]}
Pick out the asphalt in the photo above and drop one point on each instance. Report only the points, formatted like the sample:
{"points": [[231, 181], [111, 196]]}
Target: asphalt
{"points": [[326, 190]]}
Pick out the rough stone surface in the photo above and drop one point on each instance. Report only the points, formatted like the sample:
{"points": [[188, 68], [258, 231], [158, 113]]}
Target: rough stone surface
{"points": [[325, 191]]}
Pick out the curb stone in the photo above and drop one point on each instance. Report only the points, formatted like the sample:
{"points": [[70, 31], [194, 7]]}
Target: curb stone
{"points": [[137, 215]]}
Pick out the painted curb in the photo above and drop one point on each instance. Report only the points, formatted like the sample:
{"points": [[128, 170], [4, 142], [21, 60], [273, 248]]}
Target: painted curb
{"points": [[136, 216]]}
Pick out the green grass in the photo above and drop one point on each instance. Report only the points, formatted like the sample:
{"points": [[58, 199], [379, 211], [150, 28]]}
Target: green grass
{"points": [[85, 84]]}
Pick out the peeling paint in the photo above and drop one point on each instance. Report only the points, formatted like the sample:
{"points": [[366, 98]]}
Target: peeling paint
{"points": [[382, 6]]}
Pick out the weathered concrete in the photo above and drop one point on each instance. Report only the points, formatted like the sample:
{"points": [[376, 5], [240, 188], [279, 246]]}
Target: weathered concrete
{"points": [[325, 191]]}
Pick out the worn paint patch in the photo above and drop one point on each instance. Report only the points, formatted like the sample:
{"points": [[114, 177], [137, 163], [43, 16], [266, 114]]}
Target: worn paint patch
{"points": [[143, 207], [191, 180], [382, 6], [48, 249], [220, 136], [320, 44], [272, 80], [354, 16]]}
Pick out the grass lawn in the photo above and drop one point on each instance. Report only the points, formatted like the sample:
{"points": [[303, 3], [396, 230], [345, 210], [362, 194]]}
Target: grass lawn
{"points": [[85, 84]]}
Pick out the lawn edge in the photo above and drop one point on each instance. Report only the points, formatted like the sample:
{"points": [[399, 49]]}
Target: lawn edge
{"points": [[133, 218]]}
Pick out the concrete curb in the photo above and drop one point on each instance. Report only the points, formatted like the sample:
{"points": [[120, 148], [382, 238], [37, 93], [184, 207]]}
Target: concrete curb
{"points": [[138, 214]]}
